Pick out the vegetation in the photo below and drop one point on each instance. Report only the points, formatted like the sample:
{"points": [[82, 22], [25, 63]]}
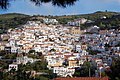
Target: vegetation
{"points": [[86, 70], [6, 60], [93, 52], [118, 44], [112, 22], [112, 19], [92, 16], [114, 74], [22, 74], [12, 20], [31, 51]]}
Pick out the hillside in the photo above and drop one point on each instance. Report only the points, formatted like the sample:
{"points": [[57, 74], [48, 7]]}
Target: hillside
{"points": [[11, 15], [112, 19], [12, 20], [112, 22], [92, 16]]}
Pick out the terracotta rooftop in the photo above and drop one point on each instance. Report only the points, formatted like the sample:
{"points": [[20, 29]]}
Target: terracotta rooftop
{"points": [[83, 78]]}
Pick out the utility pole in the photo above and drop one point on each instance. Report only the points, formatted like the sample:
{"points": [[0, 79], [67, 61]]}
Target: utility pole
{"points": [[89, 69], [89, 72], [100, 72]]}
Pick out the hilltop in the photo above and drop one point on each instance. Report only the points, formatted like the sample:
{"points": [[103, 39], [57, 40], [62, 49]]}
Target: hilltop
{"points": [[112, 19], [108, 23], [91, 16], [12, 20], [12, 15]]}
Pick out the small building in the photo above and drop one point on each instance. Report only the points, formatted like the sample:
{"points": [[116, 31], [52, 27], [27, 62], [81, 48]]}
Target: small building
{"points": [[8, 49], [13, 66], [24, 60], [75, 30], [94, 29], [73, 63], [50, 21], [64, 72], [77, 22], [5, 37]]}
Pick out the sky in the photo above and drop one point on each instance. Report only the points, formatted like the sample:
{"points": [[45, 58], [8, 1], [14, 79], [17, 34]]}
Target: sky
{"points": [[80, 7]]}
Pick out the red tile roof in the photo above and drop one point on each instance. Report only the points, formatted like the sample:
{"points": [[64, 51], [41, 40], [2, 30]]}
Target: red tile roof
{"points": [[83, 78]]}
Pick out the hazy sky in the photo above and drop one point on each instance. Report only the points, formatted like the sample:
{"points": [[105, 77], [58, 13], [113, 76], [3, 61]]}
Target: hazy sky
{"points": [[80, 7]]}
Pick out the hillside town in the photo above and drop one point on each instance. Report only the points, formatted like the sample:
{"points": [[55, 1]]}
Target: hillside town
{"points": [[64, 48]]}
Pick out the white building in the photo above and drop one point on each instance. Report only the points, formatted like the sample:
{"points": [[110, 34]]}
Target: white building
{"points": [[64, 72], [24, 60], [77, 22], [13, 66], [50, 21]]}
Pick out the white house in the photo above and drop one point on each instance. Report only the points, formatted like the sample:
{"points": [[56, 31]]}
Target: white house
{"points": [[64, 72], [50, 21], [24, 60], [13, 66]]}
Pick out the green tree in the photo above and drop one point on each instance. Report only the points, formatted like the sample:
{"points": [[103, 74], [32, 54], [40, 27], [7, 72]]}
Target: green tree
{"points": [[93, 52], [31, 51], [1, 74], [86, 70], [114, 74]]}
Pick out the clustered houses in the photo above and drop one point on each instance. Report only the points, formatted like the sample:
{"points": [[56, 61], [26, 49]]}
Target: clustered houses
{"points": [[77, 22], [55, 42], [64, 48], [64, 64], [25, 59], [62, 71], [50, 21], [106, 44], [20, 59]]}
